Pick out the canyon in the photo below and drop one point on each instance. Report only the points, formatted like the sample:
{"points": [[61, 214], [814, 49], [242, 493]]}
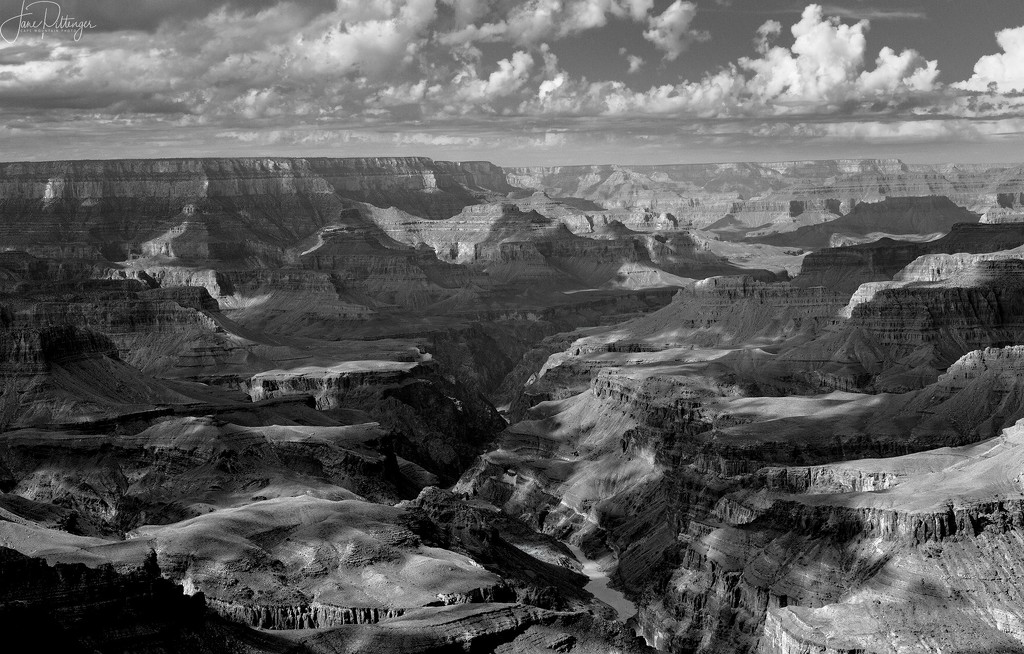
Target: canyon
{"points": [[405, 405]]}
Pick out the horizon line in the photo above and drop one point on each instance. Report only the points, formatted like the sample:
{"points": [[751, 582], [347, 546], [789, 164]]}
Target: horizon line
{"points": [[488, 161]]}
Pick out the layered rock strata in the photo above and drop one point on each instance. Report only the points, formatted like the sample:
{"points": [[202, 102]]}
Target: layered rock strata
{"points": [[845, 268]]}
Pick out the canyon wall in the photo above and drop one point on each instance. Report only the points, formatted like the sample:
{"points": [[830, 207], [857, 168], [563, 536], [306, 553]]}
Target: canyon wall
{"points": [[748, 195]]}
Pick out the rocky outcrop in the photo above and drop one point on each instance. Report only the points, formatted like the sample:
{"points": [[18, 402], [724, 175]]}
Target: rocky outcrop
{"points": [[738, 198], [1001, 368], [439, 423], [939, 267], [964, 319], [726, 310], [68, 375], [544, 578], [157, 197], [112, 484], [500, 628], [163, 312], [1008, 206], [784, 634], [302, 616], [76, 608], [330, 387], [517, 243], [309, 560], [903, 333], [368, 306], [700, 195], [846, 268], [660, 403], [898, 215], [38, 347]]}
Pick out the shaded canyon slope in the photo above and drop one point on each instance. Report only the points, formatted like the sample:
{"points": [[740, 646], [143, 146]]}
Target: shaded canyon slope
{"points": [[400, 405]]}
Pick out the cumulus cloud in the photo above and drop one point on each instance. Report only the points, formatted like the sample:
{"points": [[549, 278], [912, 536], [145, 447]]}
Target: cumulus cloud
{"points": [[277, 73], [671, 31], [467, 12], [534, 21], [225, 60], [383, 59], [894, 72], [634, 62], [1005, 70], [825, 66], [766, 33], [823, 72], [512, 74], [824, 59], [638, 9]]}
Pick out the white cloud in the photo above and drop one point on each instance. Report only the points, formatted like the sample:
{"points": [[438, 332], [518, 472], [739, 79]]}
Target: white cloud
{"points": [[638, 9], [893, 71], [467, 11], [670, 31], [875, 13], [1005, 70], [894, 131], [825, 66], [528, 23], [367, 66], [549, 86], [512, 74], [824, 59], [823, 73], [382, 59], [765, 33]]}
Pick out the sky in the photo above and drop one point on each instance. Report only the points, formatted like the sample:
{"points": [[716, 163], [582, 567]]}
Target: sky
{"points": [[524, 82]]}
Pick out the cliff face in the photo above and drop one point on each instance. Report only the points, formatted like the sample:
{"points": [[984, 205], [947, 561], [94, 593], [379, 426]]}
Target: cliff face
{"points": [[281, 242], [296, 246], [437, 421], [64, 374], [728, 310], [34, 348], [664, 440], [845, 268], [171, 185], [736, 198], [900, 335], [513, 242], [75, 608], [751, 463], [223, 209], [665, 464], [899, 215]]}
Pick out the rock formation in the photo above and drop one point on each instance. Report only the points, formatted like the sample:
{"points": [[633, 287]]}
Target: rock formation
{"points": [[736, 199], [845, 268], [73, 608], [377, 405], [869, 221]]}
